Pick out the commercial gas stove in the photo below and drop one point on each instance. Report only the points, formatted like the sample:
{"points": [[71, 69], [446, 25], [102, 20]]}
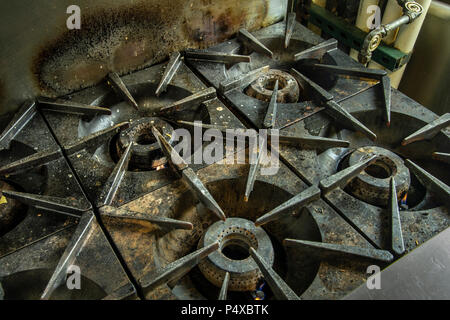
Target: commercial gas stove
{"points": [[93, 181]]}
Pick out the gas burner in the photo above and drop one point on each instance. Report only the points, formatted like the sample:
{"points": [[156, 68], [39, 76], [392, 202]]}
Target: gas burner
{"points": [[318, 62], [235, 237], [372, 185], [166, 94], [263, 87], [145, 153]]}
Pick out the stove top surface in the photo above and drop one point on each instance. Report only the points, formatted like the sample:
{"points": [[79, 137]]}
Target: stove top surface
{"points": [[89, 180]]}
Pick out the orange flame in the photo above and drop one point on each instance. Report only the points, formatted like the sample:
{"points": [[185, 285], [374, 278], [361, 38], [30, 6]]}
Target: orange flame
{"points": [[405, 197], [160, 167]]}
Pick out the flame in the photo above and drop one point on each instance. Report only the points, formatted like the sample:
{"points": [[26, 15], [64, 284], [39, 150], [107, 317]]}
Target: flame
{"points": [[405, 197], [160, 167]]}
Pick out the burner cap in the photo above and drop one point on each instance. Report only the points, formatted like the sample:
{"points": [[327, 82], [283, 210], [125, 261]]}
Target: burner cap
{"points": [[372, 185], [262, 88], [146, 153], [235, 236]]}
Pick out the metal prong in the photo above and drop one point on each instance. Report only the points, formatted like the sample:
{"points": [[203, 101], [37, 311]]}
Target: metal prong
{"points": [[313, 142], [290, 23], [79, 238], [188, 175], [164, 222], [279, 288], [253, 43], [32, 161], [333, 108], [341, 178], [66, 206], [444, 157], [386, 85], [71, 107], [397, 244], [433, 184], [343, 116], [191, 178], [243, 80], [121, 89], [202, 125], [177, 269], [354, 72], [112, 184], [18, 122], [271, 114], [95, 139], [318, 51], [216, 57], [323, 94], [429, 131], [171, 68], [252, 174], [302, 199], [193, 100], [224, 288], [380, 75], [174, 158], [329, 250]]}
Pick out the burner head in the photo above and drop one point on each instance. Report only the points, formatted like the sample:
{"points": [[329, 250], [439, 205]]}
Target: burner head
{"points": [[262, 88], [235, 236], [372, 185], [146, 153], [10, 210]]}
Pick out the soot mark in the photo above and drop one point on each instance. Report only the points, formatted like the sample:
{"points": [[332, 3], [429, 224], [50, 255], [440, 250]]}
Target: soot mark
{"points": [[129, 38]]}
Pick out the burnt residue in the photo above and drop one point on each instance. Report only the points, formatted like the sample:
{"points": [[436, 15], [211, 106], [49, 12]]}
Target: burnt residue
{"points": [[127, 38]]}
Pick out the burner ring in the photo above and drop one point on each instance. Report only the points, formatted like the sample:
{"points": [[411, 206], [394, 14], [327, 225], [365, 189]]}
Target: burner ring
{"points": [[262, 88], [372, 185], [238, 234], [146, 153]]}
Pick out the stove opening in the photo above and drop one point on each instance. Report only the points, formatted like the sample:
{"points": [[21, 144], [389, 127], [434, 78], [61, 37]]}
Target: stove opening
{"points": [[236, 248], [270, 83], [145, 153], [379, 169], [262, 88], [145, 139]]}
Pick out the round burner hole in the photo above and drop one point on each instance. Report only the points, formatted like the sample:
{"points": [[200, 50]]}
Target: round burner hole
{"points": [[145, 139], [379, 170], [236, 248]]}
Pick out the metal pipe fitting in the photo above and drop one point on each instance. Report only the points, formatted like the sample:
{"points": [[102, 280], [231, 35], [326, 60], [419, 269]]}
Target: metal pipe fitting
{"points": [[411, 11]]}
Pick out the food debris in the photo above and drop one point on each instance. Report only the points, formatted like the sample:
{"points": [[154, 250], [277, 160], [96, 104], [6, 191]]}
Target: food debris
{"points": [[3, 200]]}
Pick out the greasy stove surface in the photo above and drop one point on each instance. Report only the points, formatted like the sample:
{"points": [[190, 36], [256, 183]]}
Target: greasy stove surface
{"points": [[93, 187]]}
